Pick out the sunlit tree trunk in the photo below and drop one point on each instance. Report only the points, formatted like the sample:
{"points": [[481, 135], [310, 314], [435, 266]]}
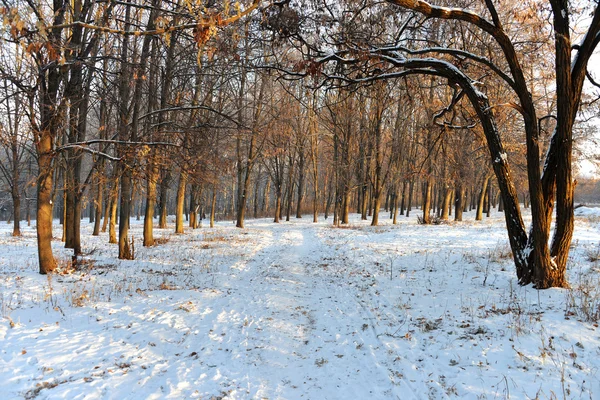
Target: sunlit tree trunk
{"points": [[180, 201], [481, 198]]}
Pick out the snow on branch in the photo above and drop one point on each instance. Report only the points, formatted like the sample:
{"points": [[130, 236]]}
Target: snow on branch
{"points": [[586, 47], [88, 149], [460, 54], [85, 146], [459, 14]]}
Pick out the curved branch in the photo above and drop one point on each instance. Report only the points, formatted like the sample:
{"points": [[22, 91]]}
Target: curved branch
{"points": [[448, 13], [520, 84], [591, 79], [511, 105], [459, 53], [585, 50]]}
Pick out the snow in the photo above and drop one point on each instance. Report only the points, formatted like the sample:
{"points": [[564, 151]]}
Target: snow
{"points": [[299, 311], [584, 211], [502, 158]]}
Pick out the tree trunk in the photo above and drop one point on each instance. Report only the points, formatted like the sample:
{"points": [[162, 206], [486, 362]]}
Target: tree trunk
{"points": [[114, 197], [164, 192], [396, 204], [124, 135], [44, 204], [446, 203], [16, 200], [193, 222], [290, 187], [481, 199], [213, 207], [427, 201], [151, 183], [257, 190], [411, 187], [300, 191], [180, 201], [98, 206], [277, 204], [459, 202]]}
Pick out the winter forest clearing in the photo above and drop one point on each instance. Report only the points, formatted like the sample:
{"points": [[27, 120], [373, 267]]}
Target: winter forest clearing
{"points": [[301, 310], [445, 142]]}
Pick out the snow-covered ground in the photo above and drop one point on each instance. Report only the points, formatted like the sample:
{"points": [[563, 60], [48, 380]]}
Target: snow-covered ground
{"points": [[300, 311]]}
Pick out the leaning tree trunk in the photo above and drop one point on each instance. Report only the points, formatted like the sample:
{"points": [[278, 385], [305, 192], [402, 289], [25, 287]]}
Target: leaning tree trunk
{"points": [[531, 254]]}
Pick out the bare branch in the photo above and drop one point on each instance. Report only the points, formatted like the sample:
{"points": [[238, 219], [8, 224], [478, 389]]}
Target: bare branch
{"points": [[211, 21]]}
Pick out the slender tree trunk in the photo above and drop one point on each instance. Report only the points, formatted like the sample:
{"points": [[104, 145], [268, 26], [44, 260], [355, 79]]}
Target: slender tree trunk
{"points": [[489, 201], [98, 206], [257, 190], [300, 191], [411, 187], [180, 201], [213, 206], [427, 201], [193, 222], [396, 204], [16, 200], [164, 192], [290, 187], [114, 198], [403, 202], [106, 212], [124, 135], [446, 203], [277, 203], [265, 205], [151, 183], [481, 200]]}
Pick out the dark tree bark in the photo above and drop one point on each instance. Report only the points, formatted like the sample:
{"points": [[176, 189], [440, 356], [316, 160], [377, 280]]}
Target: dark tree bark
{"points": [[531, 253], [124, 135]]}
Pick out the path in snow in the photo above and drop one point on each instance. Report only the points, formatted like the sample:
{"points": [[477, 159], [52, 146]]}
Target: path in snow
{"points": [[304, 325]]}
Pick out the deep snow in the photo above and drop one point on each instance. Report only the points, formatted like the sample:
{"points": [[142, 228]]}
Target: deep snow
{"points": [[300, 311]]}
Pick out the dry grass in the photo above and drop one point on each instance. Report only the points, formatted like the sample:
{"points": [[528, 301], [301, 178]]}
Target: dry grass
{"points": [[347, 226], [583, 298], [162, 240], [215, 237]]}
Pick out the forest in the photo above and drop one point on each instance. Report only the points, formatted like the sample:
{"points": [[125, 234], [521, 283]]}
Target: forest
{"points": [[295, 104], [140, 128]]}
